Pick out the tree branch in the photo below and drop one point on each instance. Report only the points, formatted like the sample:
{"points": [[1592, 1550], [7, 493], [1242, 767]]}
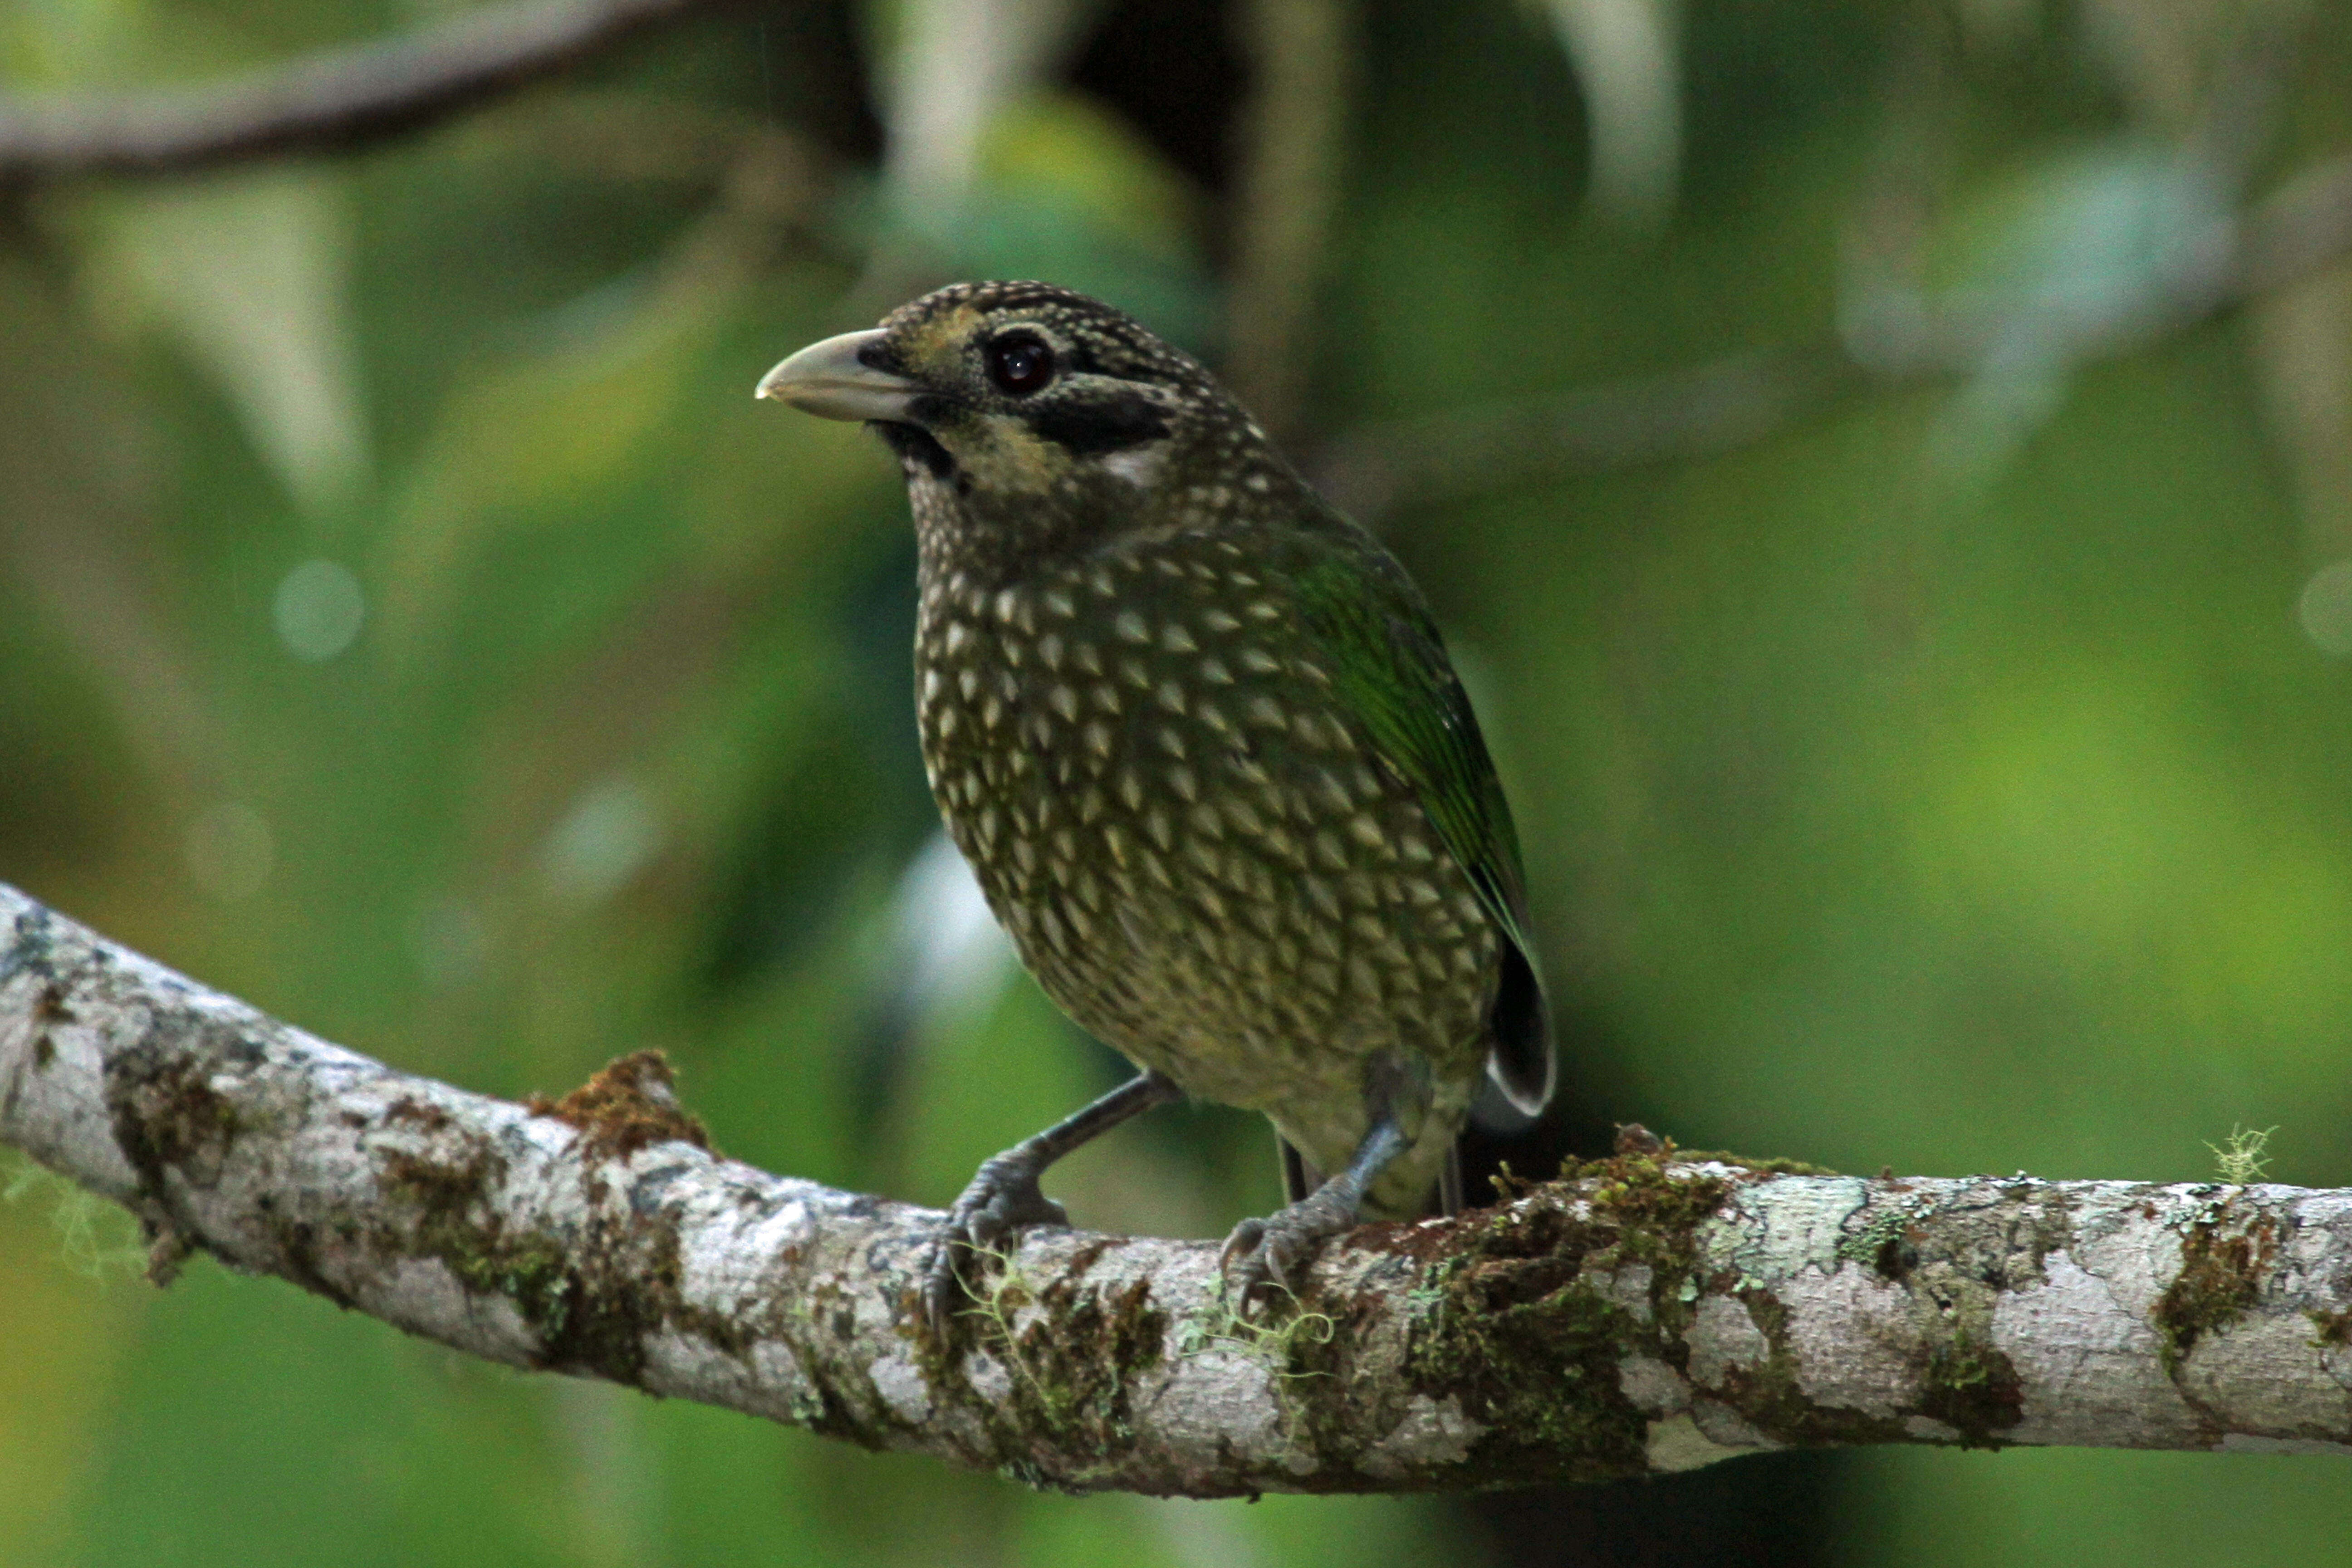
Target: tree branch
{"points": [[1647, 1316], [338, 98]]}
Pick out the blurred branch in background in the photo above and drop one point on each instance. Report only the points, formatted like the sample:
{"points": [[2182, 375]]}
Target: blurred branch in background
{"points": [[1294, 135], [1646, 1316], [337, 99], [2299, 229], [1294, 132]]}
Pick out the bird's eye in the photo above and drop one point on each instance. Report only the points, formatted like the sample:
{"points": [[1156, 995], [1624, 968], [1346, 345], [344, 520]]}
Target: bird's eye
{"points": [[1020, 363]]}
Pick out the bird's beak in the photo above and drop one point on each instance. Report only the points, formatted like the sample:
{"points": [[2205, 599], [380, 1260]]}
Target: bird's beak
{"points": [[828, 379]]}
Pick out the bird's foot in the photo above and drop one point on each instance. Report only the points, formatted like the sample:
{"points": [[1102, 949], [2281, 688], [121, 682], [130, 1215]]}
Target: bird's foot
{"points": [[1002, 1197], [1263, 1257]]}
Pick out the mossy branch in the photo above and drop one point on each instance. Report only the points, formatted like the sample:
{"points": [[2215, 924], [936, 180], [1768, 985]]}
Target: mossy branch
{"points": [[1644, 1313]]}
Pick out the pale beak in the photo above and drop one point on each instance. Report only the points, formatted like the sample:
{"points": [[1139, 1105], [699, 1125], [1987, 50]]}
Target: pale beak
{"points": [[829, 380]]}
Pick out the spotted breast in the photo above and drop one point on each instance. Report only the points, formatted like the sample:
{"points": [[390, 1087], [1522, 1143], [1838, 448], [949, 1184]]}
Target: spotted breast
{"points": [[1201, 860]]}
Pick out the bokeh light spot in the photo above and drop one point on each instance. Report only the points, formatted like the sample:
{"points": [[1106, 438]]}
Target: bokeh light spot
{"points": [[318, 610], [2325, 608], [609, 833]]}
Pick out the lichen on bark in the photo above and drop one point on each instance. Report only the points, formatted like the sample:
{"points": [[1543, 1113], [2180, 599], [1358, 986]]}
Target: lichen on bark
{"points": [[1645, 1312]]}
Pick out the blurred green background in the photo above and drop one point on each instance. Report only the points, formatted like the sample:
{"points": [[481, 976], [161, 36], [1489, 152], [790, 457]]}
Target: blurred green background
{"points": [[1942, 759]]}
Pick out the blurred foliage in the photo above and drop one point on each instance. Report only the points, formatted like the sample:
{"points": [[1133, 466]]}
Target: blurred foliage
{"points": [[408, 621]]}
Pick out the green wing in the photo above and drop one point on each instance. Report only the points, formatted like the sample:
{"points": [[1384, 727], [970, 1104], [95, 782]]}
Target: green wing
{"points": [[1390, 669]]}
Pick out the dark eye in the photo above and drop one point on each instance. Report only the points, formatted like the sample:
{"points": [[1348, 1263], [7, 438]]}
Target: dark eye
{"points": [[1020, 363]]}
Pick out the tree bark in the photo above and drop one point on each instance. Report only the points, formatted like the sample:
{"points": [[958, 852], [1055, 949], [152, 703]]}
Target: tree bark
{"points": [[1645, 1314]]}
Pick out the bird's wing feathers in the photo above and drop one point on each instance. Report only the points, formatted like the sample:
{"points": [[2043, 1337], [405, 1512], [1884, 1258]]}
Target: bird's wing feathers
{"points": [[1391, 671]]}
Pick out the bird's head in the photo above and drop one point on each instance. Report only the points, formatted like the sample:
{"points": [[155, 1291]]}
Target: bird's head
{"points": [[1037, 411]]}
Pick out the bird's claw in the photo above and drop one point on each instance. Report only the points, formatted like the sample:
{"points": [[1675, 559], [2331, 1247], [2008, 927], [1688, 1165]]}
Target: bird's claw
{"points": [[1263, 1257], [1002, 1197]]}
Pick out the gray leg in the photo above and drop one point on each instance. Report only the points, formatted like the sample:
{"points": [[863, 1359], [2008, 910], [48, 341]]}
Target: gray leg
{"points": [[1266, 1254], [1003, 1196], [1295, 1182]]}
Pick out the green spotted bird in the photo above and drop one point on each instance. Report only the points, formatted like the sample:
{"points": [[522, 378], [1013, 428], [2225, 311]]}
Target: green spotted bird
{"points": [[1200, 740]]}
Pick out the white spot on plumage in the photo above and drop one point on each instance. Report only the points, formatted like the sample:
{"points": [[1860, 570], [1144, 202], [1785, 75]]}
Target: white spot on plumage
{"points": [[1139, 466], [1130, 627], [1065, 702], [1176, 638], [1258, 661]]}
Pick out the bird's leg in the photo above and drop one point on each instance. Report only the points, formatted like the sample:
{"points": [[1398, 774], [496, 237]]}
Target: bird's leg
{"points": [[1266, 1254], [1002, 1195]]}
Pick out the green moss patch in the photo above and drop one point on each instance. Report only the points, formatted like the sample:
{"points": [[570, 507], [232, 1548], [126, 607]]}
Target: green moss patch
{"points": [[2222, 1274], [1516, 1328]]}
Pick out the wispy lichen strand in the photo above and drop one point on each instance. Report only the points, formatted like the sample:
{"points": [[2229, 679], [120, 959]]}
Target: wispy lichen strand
{"points": [[1639, 1315]]}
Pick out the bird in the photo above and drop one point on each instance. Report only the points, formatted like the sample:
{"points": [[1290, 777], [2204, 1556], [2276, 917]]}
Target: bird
{"points": [[1199, 739]]}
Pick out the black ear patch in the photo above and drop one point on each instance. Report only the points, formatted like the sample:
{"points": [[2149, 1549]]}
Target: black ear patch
{"points": [[1106, 422]]}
